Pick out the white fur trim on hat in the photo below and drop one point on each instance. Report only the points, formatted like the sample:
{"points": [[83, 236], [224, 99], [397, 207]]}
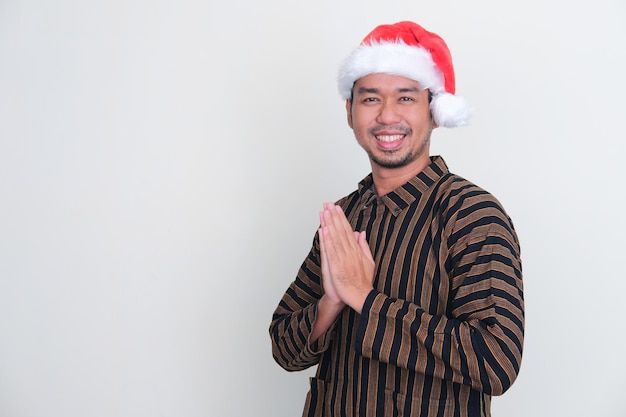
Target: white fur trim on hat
{"points": [[413, 62]]}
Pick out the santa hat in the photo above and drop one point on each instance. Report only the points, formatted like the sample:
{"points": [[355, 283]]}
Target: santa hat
{"points": [[409, 50]]}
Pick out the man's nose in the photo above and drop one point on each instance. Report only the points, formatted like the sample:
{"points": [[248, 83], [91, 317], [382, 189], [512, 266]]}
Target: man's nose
{"points": [[388, 113]]}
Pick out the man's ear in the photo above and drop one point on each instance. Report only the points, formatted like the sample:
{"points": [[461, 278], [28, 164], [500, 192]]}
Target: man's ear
{"points": [[349, 112]]}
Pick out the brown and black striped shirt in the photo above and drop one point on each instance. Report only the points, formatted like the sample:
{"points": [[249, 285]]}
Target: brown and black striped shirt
{"points": [[443, 329]]}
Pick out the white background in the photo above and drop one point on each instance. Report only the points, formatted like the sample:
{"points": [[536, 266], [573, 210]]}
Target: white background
{"points": [[162, 164]]}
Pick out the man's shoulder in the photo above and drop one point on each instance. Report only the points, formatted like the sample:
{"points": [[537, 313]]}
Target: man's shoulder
{"points": [[471, 212], [349, 199], [456, 196], [457, 187]]}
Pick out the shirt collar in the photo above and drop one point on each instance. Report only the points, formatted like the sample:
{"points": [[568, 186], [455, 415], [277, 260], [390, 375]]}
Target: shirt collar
{"points": [[412, 190]]}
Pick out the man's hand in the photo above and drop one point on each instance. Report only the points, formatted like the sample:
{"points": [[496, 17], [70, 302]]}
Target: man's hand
{"points": [[347, 262], [331, 297]]}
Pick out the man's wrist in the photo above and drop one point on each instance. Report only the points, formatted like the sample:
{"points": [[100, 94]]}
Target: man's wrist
{"points": [[357, 299], [330, 305]]}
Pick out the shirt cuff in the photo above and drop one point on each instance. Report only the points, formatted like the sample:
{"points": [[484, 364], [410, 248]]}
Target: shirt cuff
{"points": [[364, 318]]}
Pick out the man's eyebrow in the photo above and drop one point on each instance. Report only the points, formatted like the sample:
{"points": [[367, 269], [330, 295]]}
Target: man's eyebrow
{"points": [[409, 90], [367, 90]]}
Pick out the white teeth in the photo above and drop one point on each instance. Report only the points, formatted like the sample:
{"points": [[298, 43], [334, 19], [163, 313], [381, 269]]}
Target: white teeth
{"points": [[389, 138]]}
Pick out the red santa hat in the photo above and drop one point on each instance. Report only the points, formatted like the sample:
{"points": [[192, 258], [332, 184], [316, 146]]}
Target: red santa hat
{"points": [[409, 50]]}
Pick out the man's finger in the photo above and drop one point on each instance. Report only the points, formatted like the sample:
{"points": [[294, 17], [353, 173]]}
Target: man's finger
{"points": [[365, 247]]}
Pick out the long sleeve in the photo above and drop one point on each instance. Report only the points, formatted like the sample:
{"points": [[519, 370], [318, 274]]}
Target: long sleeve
{"points": [[293, 319], [478, 340]]}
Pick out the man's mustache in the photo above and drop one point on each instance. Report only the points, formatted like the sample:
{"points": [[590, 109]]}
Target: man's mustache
{"points": [[395, 128]]}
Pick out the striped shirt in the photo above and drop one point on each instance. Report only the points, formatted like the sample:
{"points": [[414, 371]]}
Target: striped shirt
{"points": [[443, 329]]}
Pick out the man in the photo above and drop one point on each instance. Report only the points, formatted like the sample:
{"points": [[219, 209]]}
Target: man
{"points": [[410, 301]]}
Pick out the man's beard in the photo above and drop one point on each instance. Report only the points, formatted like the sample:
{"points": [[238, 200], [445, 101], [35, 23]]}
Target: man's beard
{"points": [[392, 162]]}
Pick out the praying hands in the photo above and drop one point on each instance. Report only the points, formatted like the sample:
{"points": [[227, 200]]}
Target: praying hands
{"points": [[347, 262]]}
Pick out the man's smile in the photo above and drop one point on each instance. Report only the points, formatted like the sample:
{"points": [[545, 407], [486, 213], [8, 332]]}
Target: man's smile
{"points": [[389, 138]]}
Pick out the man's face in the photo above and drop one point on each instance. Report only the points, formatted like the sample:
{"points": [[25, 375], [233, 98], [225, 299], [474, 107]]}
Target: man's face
{"points": [[391, 120]]}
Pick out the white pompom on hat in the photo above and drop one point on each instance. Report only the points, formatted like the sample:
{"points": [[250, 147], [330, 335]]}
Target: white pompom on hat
{"points": [[408, 50]]}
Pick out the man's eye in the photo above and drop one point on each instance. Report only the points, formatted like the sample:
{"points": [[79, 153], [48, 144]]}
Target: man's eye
{"points": [[406, 99], [370, 99]]}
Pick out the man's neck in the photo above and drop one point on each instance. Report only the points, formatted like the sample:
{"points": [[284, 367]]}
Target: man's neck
{"points": [[388, 179]]}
